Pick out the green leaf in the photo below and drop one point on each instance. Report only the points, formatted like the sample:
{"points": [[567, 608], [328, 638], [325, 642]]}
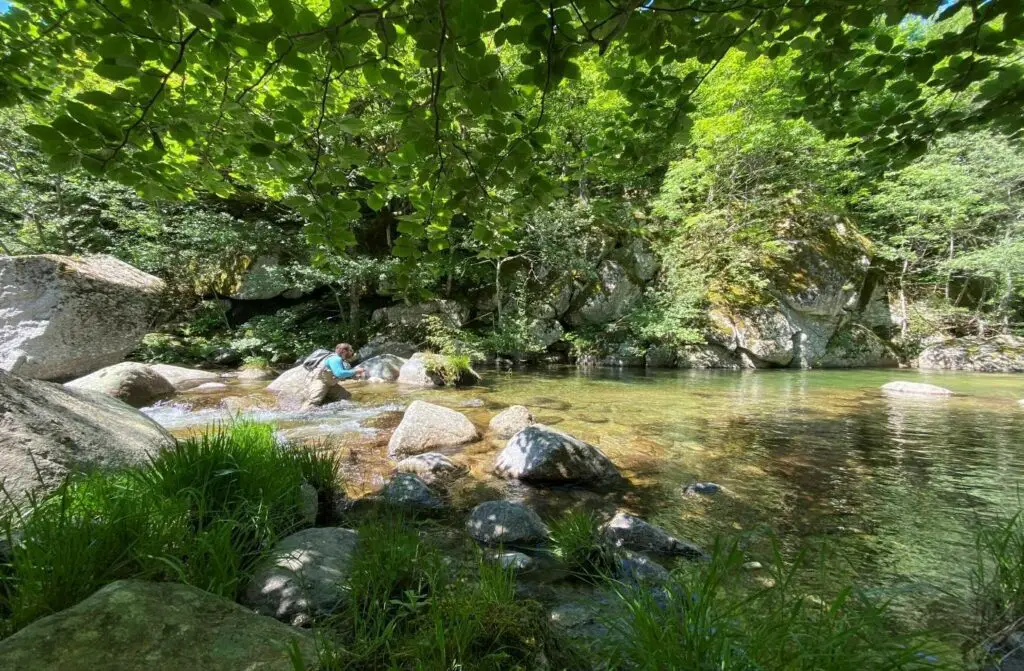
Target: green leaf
{"points": [[45, 134], [260, 149], [115, 72]]}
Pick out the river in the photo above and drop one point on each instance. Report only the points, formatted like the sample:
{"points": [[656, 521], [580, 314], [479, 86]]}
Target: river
{"points": [[893, 486]]}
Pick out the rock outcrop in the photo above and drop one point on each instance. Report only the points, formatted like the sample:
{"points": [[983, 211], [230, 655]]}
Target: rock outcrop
{"points": [[707, 356], [303, 576], [184, 378], [915, 389], [62, 317], [48, 431], [506, 523], [133, 625], [510, 421], [629, 532], [541, 454], [266, 279], [402, 318], [136, 384], [290, 388], [426, 427], [610, 298], [1000, 354]]}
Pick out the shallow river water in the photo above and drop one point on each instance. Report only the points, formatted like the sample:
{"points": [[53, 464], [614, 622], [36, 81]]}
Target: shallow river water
{"points": [[894, 486]]}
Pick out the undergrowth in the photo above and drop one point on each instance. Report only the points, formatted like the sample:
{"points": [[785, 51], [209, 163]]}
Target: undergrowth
{"points": [[201, 513]]}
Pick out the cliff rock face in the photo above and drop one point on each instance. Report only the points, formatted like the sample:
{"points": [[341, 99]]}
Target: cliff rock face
{"points": [[62, 317], [1001, 354]]}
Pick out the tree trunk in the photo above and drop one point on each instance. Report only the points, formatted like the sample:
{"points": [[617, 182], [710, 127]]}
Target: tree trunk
{"points": [[949, 273], [903, 299]]}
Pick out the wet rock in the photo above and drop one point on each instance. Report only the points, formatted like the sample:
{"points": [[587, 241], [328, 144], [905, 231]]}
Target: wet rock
{"points": [[510, 421], [506, 523], [539, 453], [629, 532], [290, 388], [184, 378], [1001, 354], [133, 625], [514, 561], [426, 427], [474, 403], [385, 367], [701, 489], [707, 356], [303, 576], [635, 568], [256, 374], [63, 317], [431, 467], [208, 387], [548, 403], [407, 490], [136, 384], [915, 389], [48, 431]]}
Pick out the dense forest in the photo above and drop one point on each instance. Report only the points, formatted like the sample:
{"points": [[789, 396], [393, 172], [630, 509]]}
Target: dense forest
{"points": [[578, 179]]}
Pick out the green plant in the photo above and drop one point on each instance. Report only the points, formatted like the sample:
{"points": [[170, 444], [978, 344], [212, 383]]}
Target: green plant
{"points": [[577, 541], [997, 579], [451, 369], [256, 362]]}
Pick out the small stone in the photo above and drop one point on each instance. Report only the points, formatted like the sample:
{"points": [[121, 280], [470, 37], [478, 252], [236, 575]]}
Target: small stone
{"points": [[514, 561], [473, 403], [506, 523], [752, 566], [702, 489], [209, 387]]}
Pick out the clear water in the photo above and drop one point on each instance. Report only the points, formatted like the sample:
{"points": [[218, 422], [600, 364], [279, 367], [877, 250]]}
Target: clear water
{"points": [[893, 485]]}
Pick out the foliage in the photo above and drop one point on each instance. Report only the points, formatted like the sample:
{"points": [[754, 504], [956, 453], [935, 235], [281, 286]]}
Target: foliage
{"points": [[997, 580], [253, 362], [577, 542], [201, 513]]}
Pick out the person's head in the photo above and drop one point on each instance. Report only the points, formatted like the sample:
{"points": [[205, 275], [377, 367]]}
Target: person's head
{"points": [[344, 350]]}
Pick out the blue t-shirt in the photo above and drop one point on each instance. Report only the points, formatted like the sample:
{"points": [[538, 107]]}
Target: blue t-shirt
{"points": [[341, 368]]}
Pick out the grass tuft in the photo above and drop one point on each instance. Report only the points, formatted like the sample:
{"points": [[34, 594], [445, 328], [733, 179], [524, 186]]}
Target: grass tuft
{"points": [[577, 541]]}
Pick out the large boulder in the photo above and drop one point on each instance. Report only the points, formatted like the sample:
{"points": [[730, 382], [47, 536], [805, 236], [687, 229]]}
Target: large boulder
{"points": [[47, 431], [431, 467], [426, 427], [629, 532], [266, 279], [506, 523], [383, 367], [914, 389], [303, 576], [417, 371], [133, 625], [609, 299], [184, 378], [510, 421], [290, 388], [62, 317], [136, 384], [539, 453], [854, 346], [1001, 354]]}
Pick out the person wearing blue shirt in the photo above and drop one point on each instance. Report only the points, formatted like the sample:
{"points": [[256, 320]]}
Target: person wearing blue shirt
{"points": [[326, 375]]}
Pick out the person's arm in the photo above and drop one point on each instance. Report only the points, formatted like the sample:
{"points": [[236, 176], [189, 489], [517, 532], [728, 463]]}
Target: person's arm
{"points": [[339, 368]]}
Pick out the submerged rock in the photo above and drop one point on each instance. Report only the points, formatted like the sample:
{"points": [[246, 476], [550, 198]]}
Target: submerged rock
{"points": [[426, 427], [1001, 354], [633, 567], [407, 490], [48, 431], [915, 389], [506, 523], [431, 467], [133, 625], [208, 388], [62, 317], [136, 384], [701, 489], [513, 561], [290, 388], [303, 576], [539, 453], [184, 378], [629, 532], [510, 421]]}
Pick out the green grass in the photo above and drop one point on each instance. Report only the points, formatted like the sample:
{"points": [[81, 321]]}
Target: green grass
{"points": [[576, 540], [201, 513], [449, 368], [997, 580], [709, 619]]}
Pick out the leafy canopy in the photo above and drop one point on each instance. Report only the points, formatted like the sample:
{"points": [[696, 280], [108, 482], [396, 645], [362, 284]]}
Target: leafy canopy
{"points": [[339, 105]]}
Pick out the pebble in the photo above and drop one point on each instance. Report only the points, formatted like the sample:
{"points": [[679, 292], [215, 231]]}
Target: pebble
{"points": [[702, 488]]}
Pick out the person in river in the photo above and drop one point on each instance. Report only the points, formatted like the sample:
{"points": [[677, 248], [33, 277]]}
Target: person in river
{"points": [[328, 372]]}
